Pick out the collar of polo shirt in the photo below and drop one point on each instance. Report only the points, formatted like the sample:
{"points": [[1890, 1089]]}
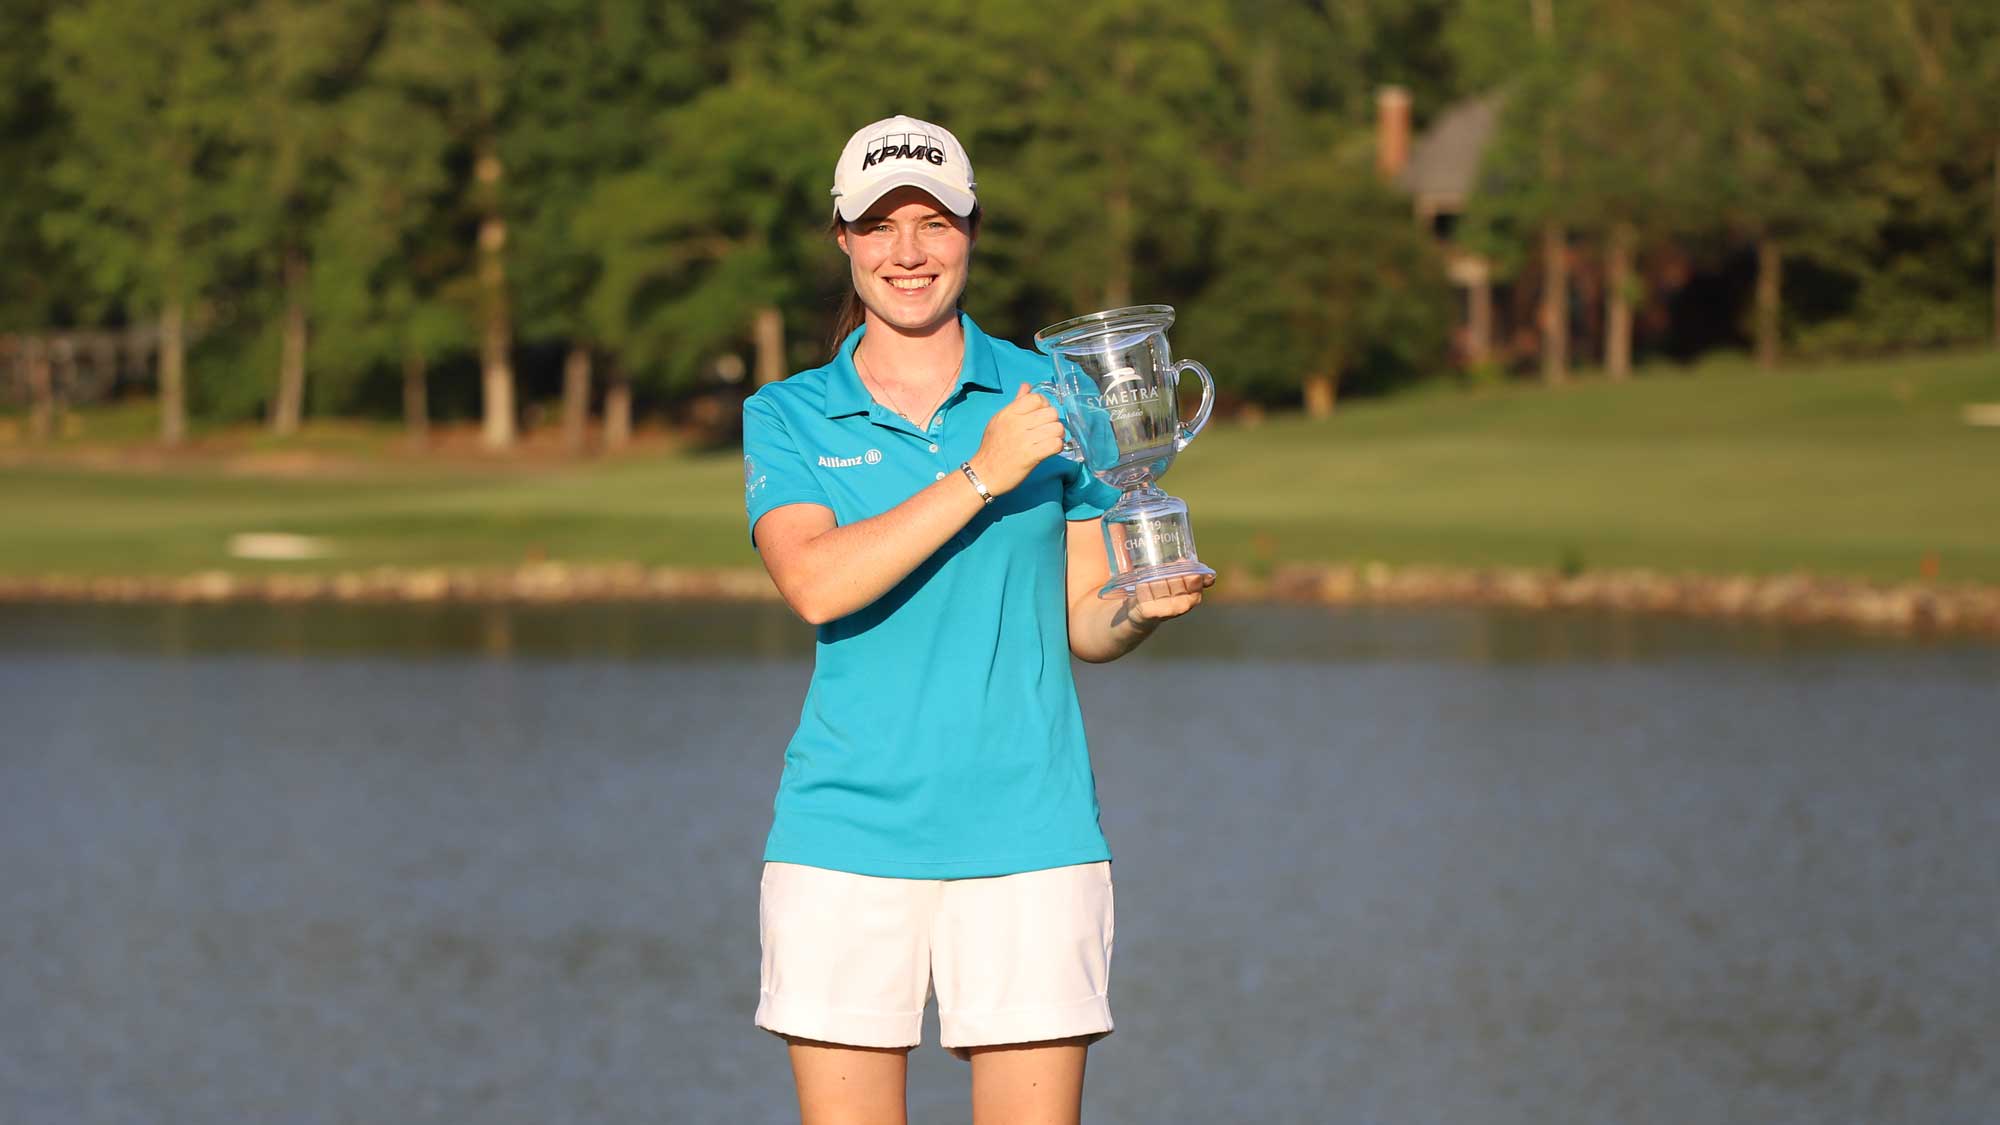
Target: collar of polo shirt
{"points": [[845, 393]]}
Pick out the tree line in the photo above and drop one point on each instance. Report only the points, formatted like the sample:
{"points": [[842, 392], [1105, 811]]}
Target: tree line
{"points": [[447, 208]]}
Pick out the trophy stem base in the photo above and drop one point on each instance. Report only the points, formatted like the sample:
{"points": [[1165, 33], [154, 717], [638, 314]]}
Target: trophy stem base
{"points": [[1147, 538], [1123, 586]]}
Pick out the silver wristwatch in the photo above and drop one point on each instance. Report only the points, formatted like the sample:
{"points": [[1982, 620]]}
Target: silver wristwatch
{"points": [[978, 485]]}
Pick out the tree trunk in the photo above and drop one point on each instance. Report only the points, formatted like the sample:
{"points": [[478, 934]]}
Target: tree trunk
{"points": [[63, 374], [1617, 301], [1770, 298], [173, 375], [576, 396], [1996, 242], [289, 406], [1320, 392], [496, 335], [1553, 316], [769, 330], [41, 391], [416, 400], [133, 349], [1479, 321], [617, 409], [103, 360]]}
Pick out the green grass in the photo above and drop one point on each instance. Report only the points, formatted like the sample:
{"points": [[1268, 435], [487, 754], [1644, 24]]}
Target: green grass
{"points": [[1857, 470]]}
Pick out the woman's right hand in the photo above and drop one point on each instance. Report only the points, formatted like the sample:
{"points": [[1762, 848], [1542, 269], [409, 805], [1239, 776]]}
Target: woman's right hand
{"points": [[1025, 433]]}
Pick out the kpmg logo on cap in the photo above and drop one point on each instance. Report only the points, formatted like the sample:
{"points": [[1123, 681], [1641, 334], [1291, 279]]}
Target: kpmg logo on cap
{"points": [[906, 146]]}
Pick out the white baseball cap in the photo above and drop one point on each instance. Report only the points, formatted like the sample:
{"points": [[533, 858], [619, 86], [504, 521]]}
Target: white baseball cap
{"points": [[902, 152]]}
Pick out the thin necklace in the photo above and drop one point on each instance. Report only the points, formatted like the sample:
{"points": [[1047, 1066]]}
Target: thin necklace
{"points": [[896, 405]]}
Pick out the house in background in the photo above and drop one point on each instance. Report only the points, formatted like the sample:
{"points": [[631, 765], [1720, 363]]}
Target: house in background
{"points": [[1440, 171], [1689, 305]]}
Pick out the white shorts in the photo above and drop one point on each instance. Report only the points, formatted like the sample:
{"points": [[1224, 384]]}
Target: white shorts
{"points": [[851, 959]]}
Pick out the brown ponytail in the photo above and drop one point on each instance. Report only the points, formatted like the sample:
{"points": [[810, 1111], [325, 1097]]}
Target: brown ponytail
{"points": [[848, 319]]}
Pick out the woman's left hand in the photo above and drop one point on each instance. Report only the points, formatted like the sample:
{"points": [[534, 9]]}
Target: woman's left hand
{"points": [[1168, 598]]}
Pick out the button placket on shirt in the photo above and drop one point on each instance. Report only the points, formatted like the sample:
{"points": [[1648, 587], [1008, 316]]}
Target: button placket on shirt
{"points": [[965, 534], [890, 420], [933, 438], [930, 436], [936, 431]]}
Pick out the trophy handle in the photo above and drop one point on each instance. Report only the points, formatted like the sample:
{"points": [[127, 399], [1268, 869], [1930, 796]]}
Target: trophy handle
{"points": [[1070, 450], [1189, 429]]}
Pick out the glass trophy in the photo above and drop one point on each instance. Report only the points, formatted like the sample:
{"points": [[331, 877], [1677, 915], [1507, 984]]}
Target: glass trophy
{"points": [[1117, 386]]}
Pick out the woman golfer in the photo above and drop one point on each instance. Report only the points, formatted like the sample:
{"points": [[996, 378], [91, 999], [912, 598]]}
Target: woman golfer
{"points": [[936, 820]]}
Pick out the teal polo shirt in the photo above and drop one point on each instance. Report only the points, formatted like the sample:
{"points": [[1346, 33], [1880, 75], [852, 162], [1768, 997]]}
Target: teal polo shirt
{"points": [[941, 736]]}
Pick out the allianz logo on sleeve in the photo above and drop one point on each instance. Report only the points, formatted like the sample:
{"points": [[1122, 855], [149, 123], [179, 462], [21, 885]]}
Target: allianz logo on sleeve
{"points": [[872, 457]]}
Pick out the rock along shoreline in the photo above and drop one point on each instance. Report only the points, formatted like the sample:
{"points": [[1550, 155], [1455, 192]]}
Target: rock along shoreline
{"points": [[1909, 608]]}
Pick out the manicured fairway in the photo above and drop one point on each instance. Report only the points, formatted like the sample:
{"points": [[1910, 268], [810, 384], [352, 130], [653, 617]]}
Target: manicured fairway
{"points": [[1857, 470]]}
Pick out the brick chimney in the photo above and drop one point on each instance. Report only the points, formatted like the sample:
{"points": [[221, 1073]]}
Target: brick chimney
{"points": [[1392, 131]]}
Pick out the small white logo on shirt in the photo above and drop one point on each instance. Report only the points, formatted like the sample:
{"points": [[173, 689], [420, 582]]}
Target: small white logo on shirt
{"points": [[872, 457]]}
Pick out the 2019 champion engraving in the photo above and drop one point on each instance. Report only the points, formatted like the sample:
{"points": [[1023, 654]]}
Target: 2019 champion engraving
{"points": [[1150, 543], [1118, 389]]}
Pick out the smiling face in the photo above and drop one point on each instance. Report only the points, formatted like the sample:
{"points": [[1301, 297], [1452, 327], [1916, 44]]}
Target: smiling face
{"points": [[908, 257]]}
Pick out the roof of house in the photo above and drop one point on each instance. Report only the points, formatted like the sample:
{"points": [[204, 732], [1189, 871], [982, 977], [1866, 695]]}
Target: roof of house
{"points": [[1444, 161]]}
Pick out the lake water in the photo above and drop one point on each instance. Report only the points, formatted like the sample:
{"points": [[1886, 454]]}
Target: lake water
{"points": [[329, 865]]}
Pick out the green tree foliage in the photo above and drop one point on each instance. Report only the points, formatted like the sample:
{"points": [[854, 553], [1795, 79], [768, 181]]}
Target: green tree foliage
{"points": [[1323, 277], [1530, 55], [1125, 126], [1978, 77], [38, 282], [444, 58], [1628, 122], [1637, 146], [145, 85], [1397, 42], [1808, 125], [291, 61], [687, 207], [721, 221], [401, 188], [392, 279], [1920, 280], [576, 117], [40, 286], [1322, 281]]}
